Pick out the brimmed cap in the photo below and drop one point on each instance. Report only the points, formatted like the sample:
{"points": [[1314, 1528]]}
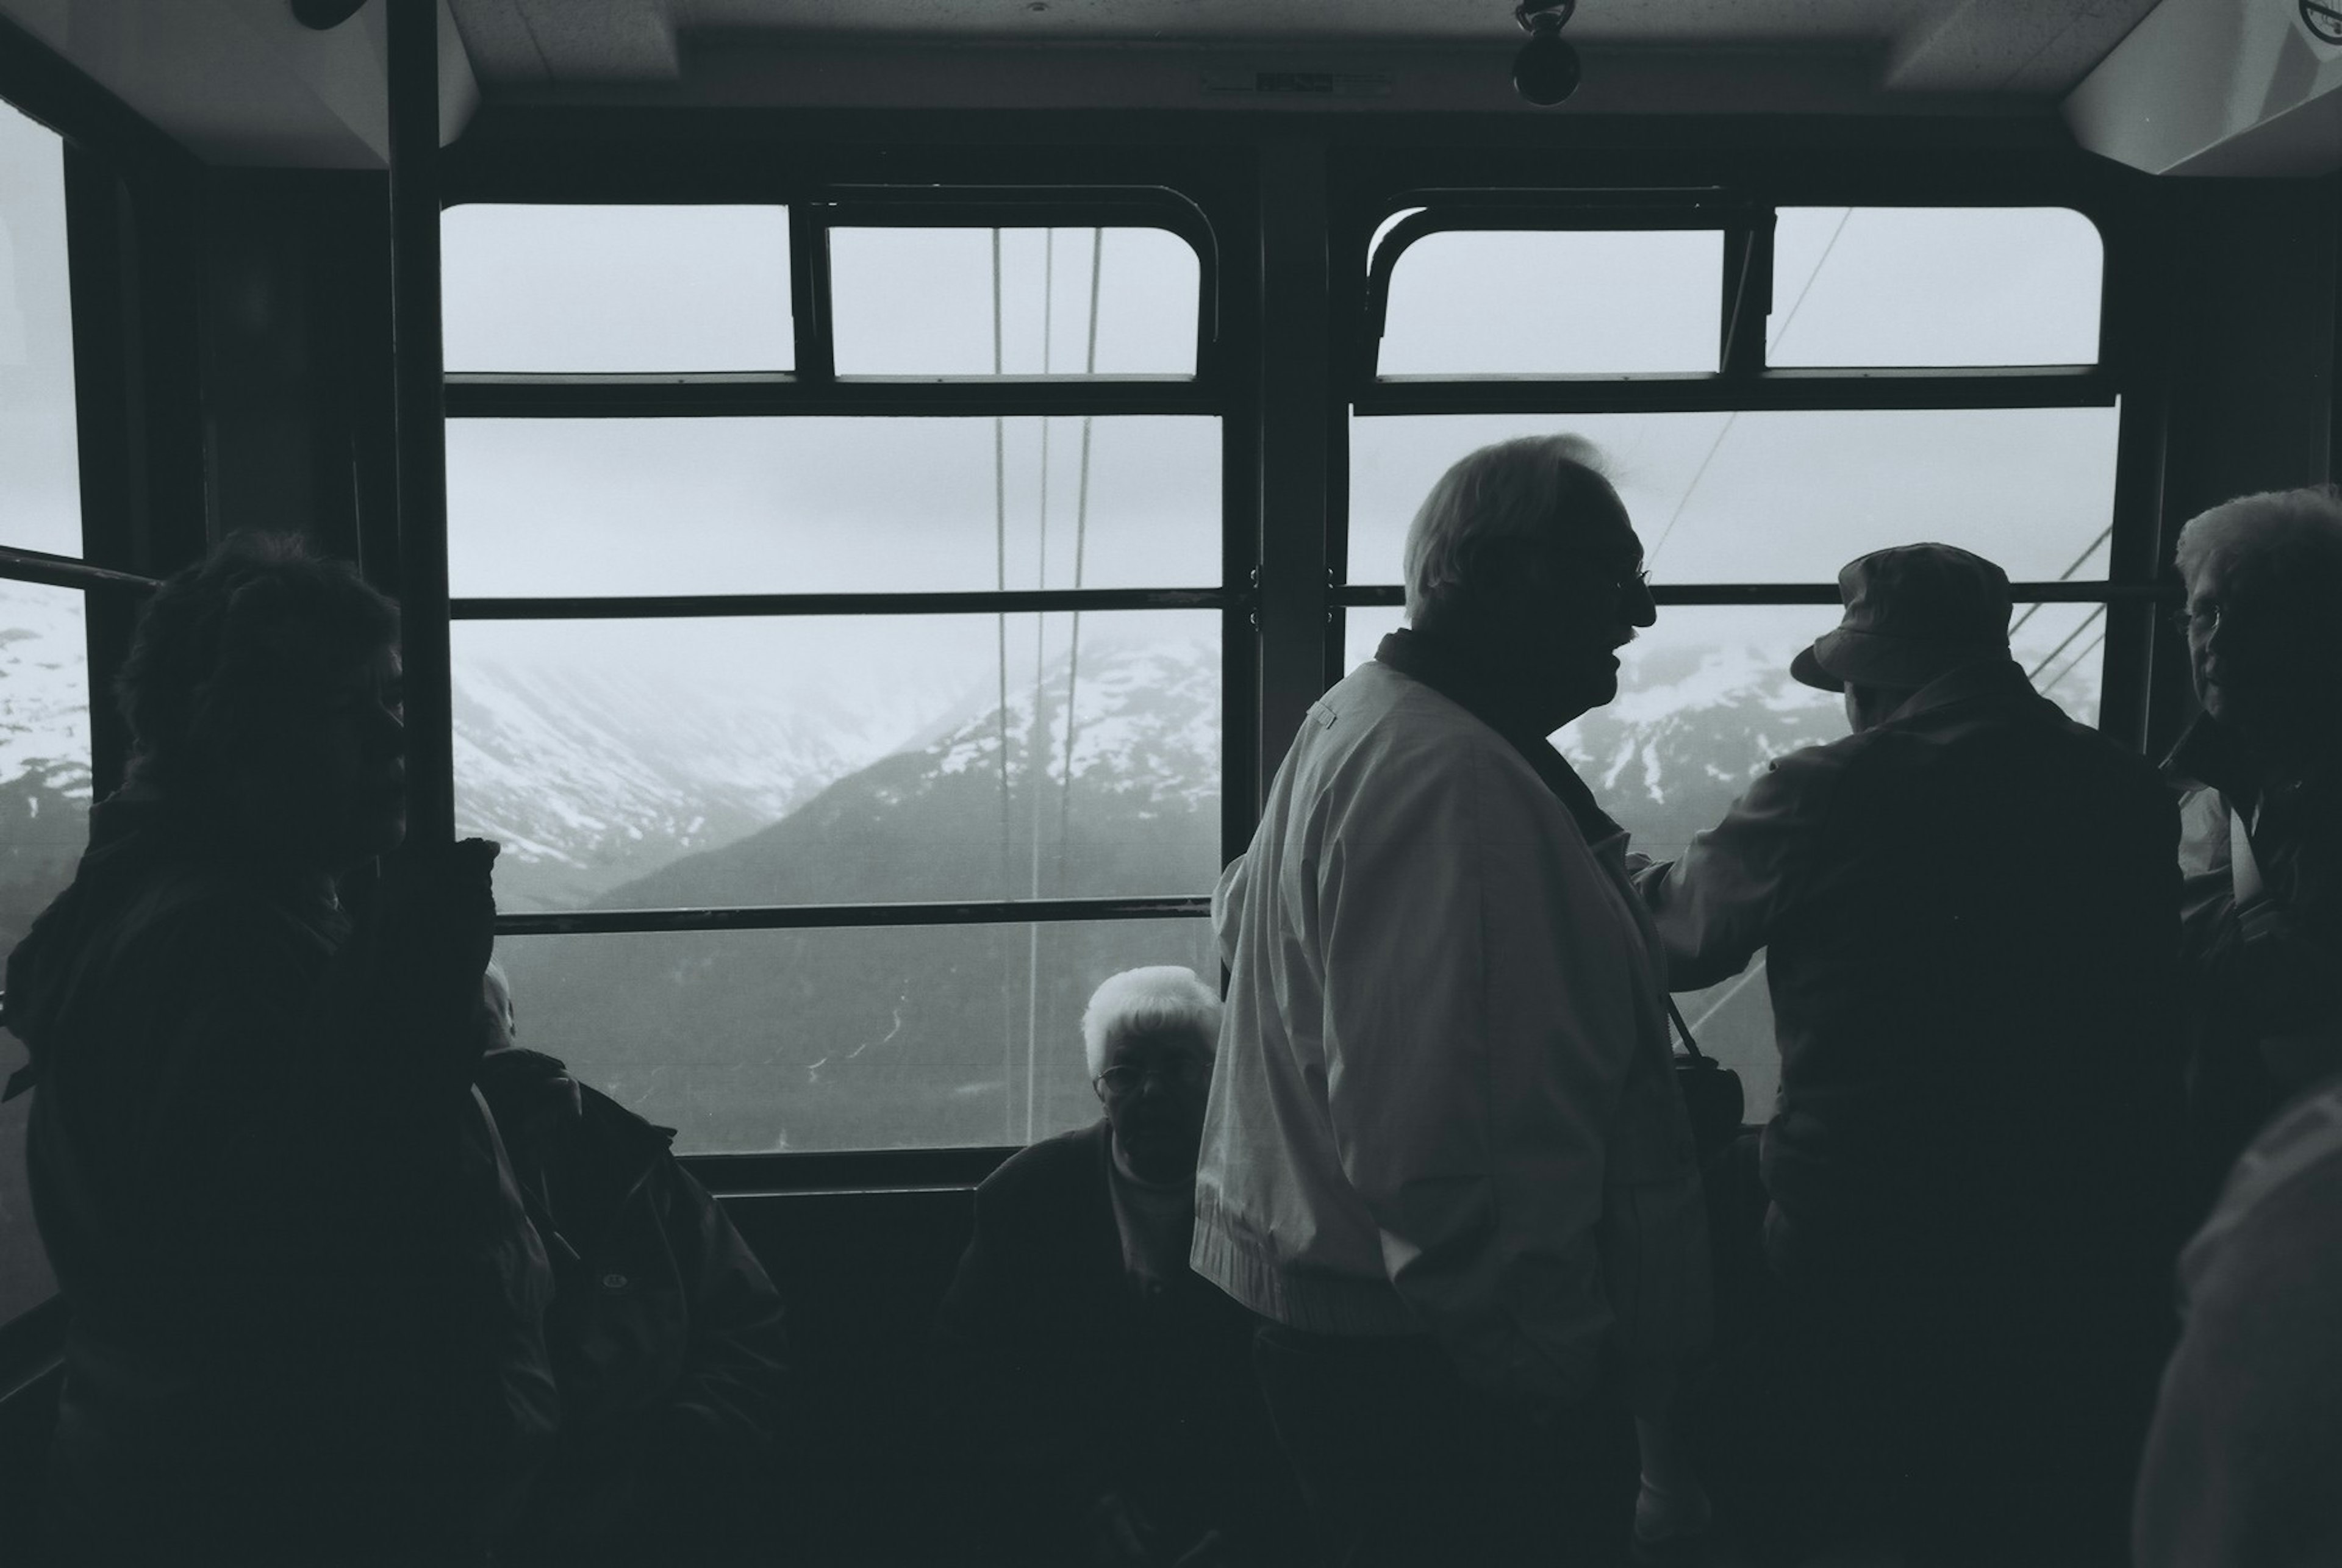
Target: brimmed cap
{"points": [[1912, 613]]}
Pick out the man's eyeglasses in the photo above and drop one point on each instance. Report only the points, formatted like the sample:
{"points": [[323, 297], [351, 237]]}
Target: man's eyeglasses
{"points": [[1187, 1072]]}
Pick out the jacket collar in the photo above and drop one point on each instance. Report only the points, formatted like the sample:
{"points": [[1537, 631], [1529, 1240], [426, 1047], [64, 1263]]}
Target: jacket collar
{"points": [[1445, 670], [1993, 680], [2209, 752]]}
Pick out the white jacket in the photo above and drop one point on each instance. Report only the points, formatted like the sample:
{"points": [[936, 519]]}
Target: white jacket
{"points": [[1443, 1102]]}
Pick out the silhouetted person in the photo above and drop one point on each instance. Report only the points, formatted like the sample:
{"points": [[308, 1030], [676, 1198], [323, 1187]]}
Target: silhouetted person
{"points": [[2246, 1446], [2261, 834], [664, 1333], [1445, 1158], [1972, 925], [305, 1299], [1101, 1392]]}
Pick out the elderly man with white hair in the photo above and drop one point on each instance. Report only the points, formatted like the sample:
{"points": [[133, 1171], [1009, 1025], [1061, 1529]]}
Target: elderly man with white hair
{"points": [[2261, 826], [1108, 1389], [1445, 1159]]}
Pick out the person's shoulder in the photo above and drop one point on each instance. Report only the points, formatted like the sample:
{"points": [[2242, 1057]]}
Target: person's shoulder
{"points": [[1048, 1163], [1041, 1184], [610, 1126]]}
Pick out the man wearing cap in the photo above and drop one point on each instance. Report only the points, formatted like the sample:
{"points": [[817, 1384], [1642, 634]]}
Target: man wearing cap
{"points": [[1971, 917]]}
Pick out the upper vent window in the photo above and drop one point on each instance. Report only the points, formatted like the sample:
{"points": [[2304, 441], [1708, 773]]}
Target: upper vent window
{"points": [[1924, 286], [615, 289]]}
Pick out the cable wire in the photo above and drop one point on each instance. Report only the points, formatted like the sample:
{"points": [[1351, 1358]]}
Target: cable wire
{"points": [[1000, 578]]}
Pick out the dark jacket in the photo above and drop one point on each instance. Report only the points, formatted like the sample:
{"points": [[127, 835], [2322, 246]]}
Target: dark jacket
{"points": [[2246, 1445], [2265, 982], [666, 1336], [1065, 1382], [306, 1302], [1971, 913]]}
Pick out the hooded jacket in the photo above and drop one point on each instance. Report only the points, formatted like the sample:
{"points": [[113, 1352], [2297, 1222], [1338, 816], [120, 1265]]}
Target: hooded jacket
{"points": [[306, 1302], [666, 1335]]}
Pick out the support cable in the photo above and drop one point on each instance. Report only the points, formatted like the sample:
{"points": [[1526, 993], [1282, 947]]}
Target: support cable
{"points": [[1000, 572], [2104, 535], [2080, 628], [1038, 733], [1081, 547]]}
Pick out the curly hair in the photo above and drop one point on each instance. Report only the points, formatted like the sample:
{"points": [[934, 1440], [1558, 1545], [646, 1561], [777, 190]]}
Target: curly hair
{"points": [[2293, 534], [226, 646]]}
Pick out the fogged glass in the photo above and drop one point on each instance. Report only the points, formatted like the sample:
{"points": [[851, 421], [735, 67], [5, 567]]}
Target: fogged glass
{"points": [[1705, 702], [1494, 303], [44, 790], [1935, 286], [869, 1038], [1062, 301], [40, 467], [615, 288], [835, 760], [1787, 496], [598, 506]]}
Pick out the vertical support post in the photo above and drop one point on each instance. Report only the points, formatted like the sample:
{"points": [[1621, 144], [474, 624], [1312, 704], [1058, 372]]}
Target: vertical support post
{"points": [[1295, 447], [1747, 293], [417, 379]]}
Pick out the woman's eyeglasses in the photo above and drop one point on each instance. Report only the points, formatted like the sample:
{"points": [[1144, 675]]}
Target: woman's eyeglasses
{"points": [[1187, 1072]]}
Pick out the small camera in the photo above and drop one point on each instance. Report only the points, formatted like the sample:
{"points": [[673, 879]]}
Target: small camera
{"points": [[1547, 71]]}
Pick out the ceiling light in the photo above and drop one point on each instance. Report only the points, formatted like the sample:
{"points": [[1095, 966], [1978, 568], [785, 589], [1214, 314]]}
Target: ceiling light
{"points": [[1545, 71]]}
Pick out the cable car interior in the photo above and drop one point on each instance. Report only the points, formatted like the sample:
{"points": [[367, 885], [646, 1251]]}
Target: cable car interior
{"points": [[874, 486]]}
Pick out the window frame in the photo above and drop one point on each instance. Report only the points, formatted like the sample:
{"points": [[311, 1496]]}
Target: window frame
{"points": [[1215, 389], [1745, 211], [128, 193]]}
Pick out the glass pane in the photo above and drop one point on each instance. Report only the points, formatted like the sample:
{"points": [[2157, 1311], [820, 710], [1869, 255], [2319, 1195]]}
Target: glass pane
{"points": [[40, 466], [1468, 303], [44, 803], [545, 507], [1935, 286], [1064, 302], [1788, 496], [615, 288], [833, 760], [866, 1038]]}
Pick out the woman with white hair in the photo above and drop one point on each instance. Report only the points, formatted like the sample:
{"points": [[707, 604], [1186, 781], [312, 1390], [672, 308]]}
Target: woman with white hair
{"points": [[2261, 825], [2240, 1463], [1108, 1388]]}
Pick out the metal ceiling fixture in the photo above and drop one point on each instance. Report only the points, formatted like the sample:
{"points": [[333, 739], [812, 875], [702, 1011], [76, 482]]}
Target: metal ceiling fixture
{"points": [[1546, 72]]}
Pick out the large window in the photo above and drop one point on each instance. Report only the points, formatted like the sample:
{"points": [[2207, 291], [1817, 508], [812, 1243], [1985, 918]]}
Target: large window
{"points": [[45, 772], [1776, 391], [840, 624]]}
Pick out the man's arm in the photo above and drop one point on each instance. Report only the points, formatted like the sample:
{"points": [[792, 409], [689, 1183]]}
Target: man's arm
{"points": [[1715, 907], [1479, 1021]]}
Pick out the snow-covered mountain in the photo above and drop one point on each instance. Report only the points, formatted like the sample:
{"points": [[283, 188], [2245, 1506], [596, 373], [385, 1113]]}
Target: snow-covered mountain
{"points": [[45, 779], [591, 775]]}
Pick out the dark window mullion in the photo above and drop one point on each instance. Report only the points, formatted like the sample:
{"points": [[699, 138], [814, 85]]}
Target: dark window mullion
{"points": [[2045, 386], [978, 602], [1747, 303], [816, 352], [495, 395], [2091, 593], [833, 917], [64, 571]]}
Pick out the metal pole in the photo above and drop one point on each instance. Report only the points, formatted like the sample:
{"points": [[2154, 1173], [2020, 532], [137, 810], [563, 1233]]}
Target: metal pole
{"points": [[418, 381]]}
